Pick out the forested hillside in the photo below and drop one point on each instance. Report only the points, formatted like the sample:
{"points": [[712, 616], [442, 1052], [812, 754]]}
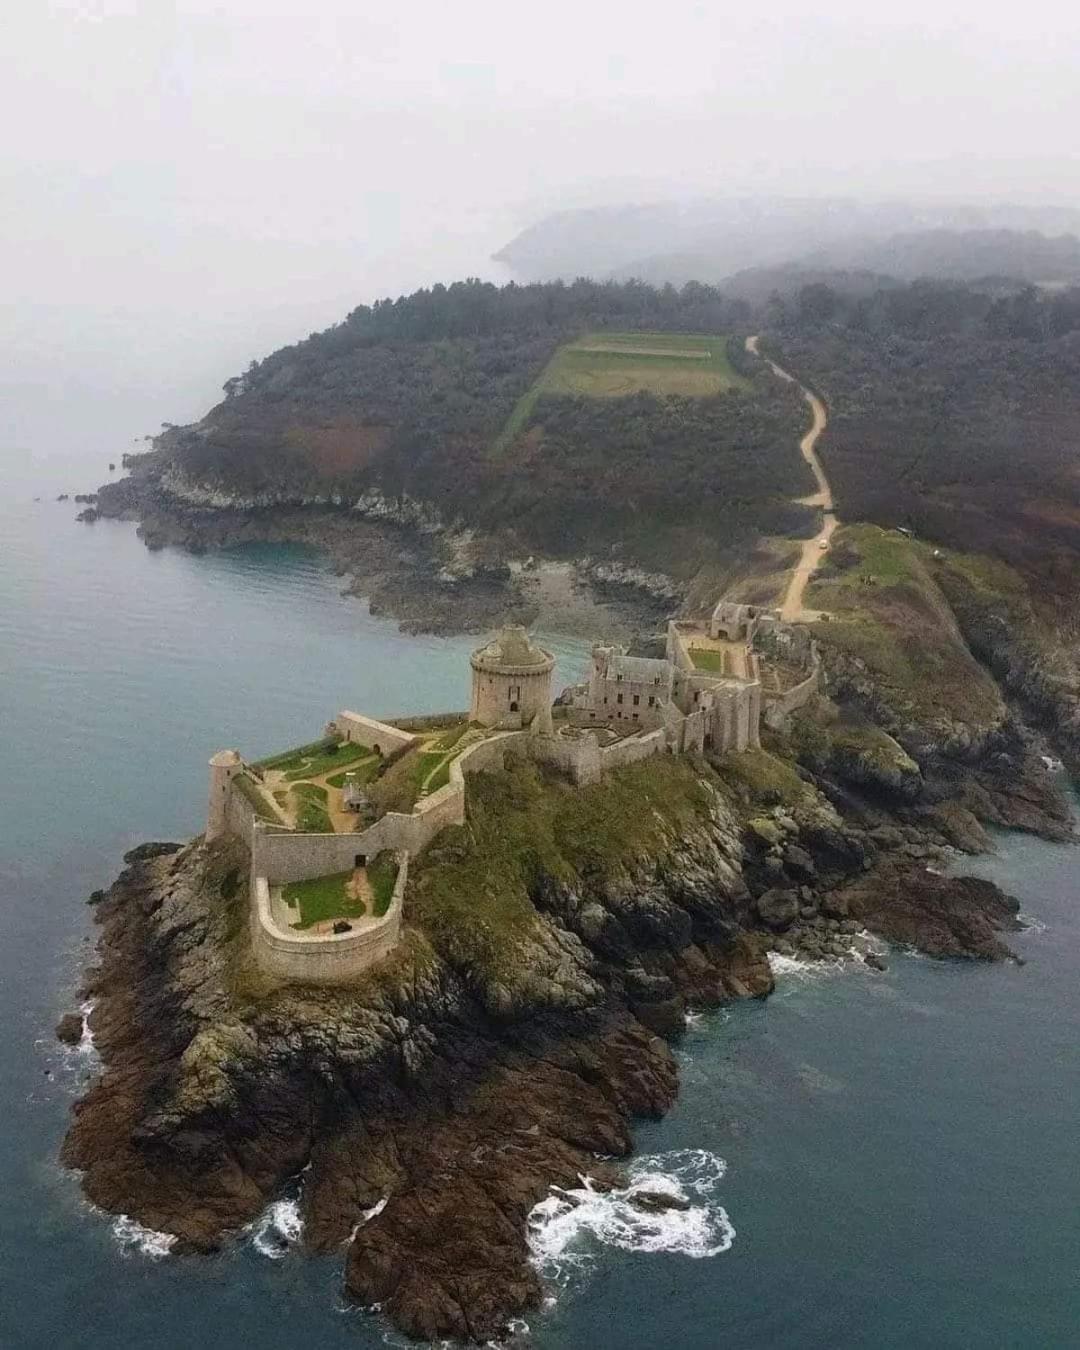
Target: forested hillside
{"points": [[413, 397], [950, 410]]}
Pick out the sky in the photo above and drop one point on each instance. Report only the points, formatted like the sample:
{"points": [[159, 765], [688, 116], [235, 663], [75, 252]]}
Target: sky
{"points": [[188, 184]]}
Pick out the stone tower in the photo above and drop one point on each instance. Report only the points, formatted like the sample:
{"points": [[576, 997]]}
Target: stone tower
{"points": [[511, 681], [224, 766]]}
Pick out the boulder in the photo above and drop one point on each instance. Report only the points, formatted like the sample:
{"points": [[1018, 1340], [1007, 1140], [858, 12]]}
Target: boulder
{"points": [[799, 863], [70, 1028], [777, 908], [656, 1202], [765, 831], [835, 905]]}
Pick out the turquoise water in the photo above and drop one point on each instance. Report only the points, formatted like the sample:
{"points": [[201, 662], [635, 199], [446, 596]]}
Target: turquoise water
{"points": [[900, 1149]]}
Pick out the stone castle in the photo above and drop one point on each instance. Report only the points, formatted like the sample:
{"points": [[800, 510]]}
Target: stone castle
{"points": [[715, 683]]}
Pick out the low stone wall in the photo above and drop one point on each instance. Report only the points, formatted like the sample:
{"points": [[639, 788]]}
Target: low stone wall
{"points": [[375, 735], [432, 721], [634, 748], [324, 958]]}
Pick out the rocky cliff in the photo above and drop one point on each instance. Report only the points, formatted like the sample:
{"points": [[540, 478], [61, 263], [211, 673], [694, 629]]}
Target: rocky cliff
{"points": [[552, 948]]}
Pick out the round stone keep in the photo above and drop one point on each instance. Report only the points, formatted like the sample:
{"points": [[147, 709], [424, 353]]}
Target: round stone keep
{"points": [[511, 680]]}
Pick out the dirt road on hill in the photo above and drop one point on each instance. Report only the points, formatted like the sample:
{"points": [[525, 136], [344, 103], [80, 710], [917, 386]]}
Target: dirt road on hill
{"points": [[791, 608]]}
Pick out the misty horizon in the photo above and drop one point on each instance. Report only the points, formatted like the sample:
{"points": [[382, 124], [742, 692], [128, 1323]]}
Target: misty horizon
{"points": [[191, 186]]}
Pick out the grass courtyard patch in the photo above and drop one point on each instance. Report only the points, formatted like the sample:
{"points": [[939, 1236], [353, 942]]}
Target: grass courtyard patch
{"points": [[311, 813], [703, 659], [382, 873], [363, 770], [323, 898], [291, 759], [247, 787], [311, 766]]}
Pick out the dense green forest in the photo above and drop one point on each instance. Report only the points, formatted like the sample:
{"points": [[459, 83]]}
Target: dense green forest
{"points": [[410, 396], [952, 409]]}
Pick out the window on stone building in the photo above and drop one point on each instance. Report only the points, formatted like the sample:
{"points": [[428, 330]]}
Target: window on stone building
{"points": [[618, 677], [619, 698], [637, 699], [635, 717], [652, 701]]}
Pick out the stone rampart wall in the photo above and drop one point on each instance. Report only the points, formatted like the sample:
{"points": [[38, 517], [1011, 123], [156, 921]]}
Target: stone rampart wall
{"points": [[779, 706], [326, 958], [579, 757], [633, 748], [375, 735], [240, 815], [288, 855]]}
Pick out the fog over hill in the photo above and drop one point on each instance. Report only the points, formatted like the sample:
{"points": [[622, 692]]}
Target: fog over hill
{"points": [[709, 240]]}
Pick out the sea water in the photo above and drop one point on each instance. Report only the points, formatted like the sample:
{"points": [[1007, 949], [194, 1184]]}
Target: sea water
{"points": [[865, 1159]]}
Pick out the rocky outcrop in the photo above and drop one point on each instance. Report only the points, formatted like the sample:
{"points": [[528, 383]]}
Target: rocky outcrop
{"points": [[1031, 654], [429, 574], [422, 1086], [69, 1029], [429, 1106], [943, 916]]}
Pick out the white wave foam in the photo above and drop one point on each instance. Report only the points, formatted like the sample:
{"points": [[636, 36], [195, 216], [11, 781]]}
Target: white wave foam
{"points": [[560, 1225], [795, 968], [75, 1064], [1031, 923], [366, 1215], [86, 1046], [133, 1236], [277, 1228], [518, 1333]]}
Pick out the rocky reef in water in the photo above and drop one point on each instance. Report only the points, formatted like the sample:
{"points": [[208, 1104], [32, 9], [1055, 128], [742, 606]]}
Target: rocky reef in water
{"points": [[552, 948]]}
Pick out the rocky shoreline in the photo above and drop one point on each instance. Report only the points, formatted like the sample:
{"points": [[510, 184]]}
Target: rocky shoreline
{"points": [[431, 1106], [425, 1125], [408, 565]]}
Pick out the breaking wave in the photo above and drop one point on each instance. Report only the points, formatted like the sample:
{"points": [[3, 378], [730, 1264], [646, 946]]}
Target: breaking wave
{"points": [[794, 968], [565, 1229], [133, 1236], [82, 1057], [277, 1228]]}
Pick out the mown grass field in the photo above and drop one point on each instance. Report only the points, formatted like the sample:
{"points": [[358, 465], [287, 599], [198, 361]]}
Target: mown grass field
{"points": [[612, 365]]}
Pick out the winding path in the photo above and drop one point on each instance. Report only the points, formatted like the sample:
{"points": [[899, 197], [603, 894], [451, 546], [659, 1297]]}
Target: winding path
{"points": [[791, 607]]}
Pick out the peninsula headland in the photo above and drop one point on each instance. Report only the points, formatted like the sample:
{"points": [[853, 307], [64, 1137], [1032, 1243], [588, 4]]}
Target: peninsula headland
{"points": [[435, 966]]}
